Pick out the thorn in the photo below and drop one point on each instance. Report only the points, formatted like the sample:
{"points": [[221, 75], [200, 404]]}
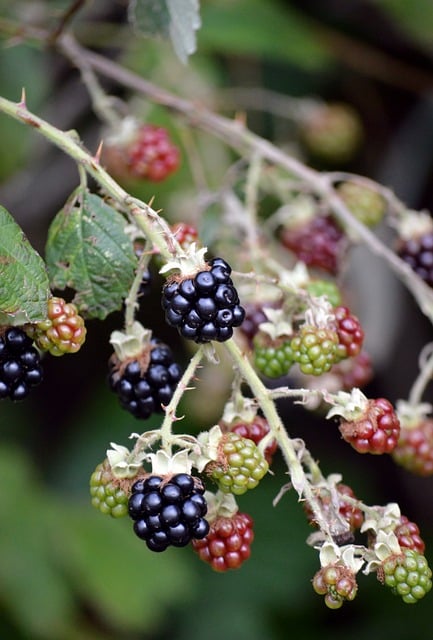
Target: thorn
{"points": [[97, 156], [150, 203], [22, 102]]}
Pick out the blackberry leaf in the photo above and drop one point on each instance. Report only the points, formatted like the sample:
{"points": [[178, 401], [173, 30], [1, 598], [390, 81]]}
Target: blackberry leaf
{"points": [[87, 250], [174, 19], [25, 288]]}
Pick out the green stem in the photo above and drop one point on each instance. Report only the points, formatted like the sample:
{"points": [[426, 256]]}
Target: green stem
{"points": [[142, 215], [299, 479], [131, 303], [170, 410]]}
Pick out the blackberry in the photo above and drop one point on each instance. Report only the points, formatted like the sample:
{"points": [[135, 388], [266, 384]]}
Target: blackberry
{"points": [[273, 358], [204, 307], [417, 252], [145, 384], [63, 331], [408, 575], [315, 349], [318, 242], [168, 512], [20, 364], [228, 543]]}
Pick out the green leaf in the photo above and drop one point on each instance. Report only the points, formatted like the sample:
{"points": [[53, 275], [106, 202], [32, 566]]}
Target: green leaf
{"points": [[265, 29], [88, 250], [24, 289], [174, 19]]}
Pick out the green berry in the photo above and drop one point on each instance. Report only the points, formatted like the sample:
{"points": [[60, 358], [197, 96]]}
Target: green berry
{"points": [[107, 494], [328, 288], [273, 358], [315, 350], [408, 575], [367, 205], [240, 466]]}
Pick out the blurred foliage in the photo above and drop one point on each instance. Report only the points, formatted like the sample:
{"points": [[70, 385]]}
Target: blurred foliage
{"points": [[66, 572]]}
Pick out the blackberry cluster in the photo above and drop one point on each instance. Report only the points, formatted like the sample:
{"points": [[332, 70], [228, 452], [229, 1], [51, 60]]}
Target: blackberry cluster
{"points": [[417, 252], [20, 364], [143, 393], [206, 306], [168, 513]]}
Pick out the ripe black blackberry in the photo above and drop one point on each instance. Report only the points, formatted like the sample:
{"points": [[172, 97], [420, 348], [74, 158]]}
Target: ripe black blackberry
{"points": [[417, 252], [168, 512], [204, 306], [20, 364], [145, 383]]}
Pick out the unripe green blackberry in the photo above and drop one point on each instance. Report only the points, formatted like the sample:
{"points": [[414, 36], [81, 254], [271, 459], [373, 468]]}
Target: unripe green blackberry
{"points": [[272, 358], [107, 493], [408, 575], [63, 331], [240, 465], [326, 288], [367, 206], [314, 349]]}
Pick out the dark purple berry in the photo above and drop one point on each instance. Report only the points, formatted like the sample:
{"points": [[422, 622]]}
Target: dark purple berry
{"points": [[143, 393], [417, 252], [20, 365], [204, 307], [168, 513]]}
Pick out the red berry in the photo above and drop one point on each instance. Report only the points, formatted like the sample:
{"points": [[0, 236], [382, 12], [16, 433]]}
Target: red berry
{"points": [[227, 545], [62, 332], [414, 450], [408, 535], [152, 155], [317, 242], [337, 583], [140, 151], [185, 234], [350, 333], [376, 431]]}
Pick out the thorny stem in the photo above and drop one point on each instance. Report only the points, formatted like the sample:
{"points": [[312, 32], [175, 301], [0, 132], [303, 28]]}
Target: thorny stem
{"points": [[131, 302], [236, 135], [170, 409], [299, 479], [142, 215]]}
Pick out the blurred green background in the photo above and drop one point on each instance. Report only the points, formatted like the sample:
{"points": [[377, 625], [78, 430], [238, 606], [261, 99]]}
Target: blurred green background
{"points": [[68, 573]]}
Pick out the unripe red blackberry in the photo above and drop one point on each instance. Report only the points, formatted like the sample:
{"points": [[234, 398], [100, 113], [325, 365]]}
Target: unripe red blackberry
{"points": [[227, 545], [408, 535], [109, 494], [337, 583], [185, 234], [20, 364], [168, 511], [62, 332], [350, 333], [376, 430], [145, 383], [414, 450], [140, 151], [318, 242], [354, 372], [240, 465], [205, 305]]}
